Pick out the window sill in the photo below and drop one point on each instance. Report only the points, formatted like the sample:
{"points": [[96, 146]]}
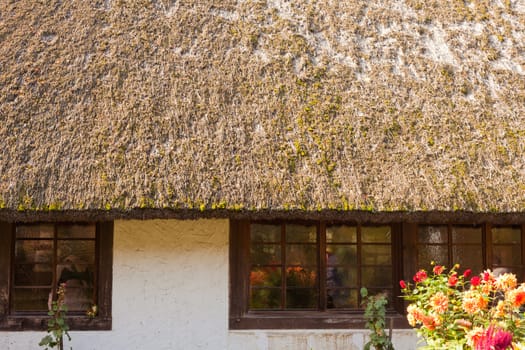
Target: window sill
{"points": [[310, 320], [39, 323]]}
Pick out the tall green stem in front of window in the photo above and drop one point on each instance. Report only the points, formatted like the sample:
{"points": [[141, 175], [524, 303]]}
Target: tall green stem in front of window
{"points": [[57, 326], [375, 314]]}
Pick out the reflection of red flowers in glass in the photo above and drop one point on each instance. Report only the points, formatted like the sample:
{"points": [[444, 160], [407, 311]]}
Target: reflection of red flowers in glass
{"points": [[257, 278], [438, 269], [453, 280], [420, 276], [475, 281], [402, 284], [467, 273]]}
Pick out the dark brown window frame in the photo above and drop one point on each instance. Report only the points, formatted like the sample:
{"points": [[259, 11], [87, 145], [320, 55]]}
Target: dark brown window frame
{"points": [[241, 317], [38, 321], [410, 244], [405, 264]]}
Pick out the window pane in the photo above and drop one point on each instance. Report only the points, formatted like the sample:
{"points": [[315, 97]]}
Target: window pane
{"points": [[466, 234], [33, 263], [265, 233], [76, 266], [301, 254], [76, 252], [300, 233], [506, 235], [78, 299], [468, 257], [506, 255], [301, 277], [376, 277], [376, 255], [376, 234], [341, 234], [342, 298], [33, 275], [265, 254], [301, 298], [386, 292], [432, 234], [34, 252], [341, 277], [429, 253], [33, 299], [265, 298], [341, 254], [34, 231], [76, 231], [266, 276]]}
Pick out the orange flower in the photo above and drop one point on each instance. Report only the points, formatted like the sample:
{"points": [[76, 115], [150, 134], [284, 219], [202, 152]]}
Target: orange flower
{"points": [[516, 296], [506, 282], [414, 314], [439, 302], [474, 336], [473, 302], [431, 321], [438, 269], [500, 309]]}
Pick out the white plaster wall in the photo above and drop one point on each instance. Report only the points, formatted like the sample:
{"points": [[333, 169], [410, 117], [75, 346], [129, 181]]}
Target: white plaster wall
{"points": [[170, 291], [313, 340]]}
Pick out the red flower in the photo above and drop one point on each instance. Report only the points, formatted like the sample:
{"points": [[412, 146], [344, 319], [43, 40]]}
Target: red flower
{"points": [[420, 276], [486, 276], [452, 280], [467, 273], [402, 284], [438, 269], [475, 281]]}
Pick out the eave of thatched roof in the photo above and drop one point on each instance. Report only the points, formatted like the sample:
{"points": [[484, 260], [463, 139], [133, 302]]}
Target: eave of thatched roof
{"points": [[262, 106]]}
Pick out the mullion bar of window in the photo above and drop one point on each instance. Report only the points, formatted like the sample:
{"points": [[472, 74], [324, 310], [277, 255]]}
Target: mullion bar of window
{"points": [[359, 263], [321, 237], [283, 266], [449, 245], [55, 263], [522, 267], [486, 245]]}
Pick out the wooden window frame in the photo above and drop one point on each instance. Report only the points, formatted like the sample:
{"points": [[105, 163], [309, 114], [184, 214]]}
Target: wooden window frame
{"points": [[241, 317], [411, 246], [37, 321]]}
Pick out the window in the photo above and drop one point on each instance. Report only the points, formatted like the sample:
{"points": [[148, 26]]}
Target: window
{"points": [[36, 258], [290, 274], [477, 247], [313, 270]]}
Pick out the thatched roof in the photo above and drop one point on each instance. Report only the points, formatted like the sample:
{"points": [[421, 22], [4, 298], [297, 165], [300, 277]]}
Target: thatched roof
{"points": [[262, 106]]}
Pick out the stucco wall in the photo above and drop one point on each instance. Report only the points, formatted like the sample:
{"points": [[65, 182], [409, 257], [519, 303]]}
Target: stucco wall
{"points": [[170, 291]]}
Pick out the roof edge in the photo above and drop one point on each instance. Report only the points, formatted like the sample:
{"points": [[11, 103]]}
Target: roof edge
{"points": [[441, 217]]}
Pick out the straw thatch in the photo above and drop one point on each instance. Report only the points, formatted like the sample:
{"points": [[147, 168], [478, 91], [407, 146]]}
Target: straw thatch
{"points": [[265, 106]]}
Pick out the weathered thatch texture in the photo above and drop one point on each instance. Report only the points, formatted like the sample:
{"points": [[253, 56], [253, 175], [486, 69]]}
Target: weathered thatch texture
{"points": [[263, 104]]}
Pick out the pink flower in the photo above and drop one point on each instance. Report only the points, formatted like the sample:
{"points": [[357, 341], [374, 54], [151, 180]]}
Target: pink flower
{"points": [[420, 276], [495, 339], [402, 284], [467, 273]]}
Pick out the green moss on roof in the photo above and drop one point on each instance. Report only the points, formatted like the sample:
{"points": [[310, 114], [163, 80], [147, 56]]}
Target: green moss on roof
{"points": [[350, 105]]}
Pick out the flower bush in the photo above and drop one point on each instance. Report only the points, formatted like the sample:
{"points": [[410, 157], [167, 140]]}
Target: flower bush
{"points": [[456, 311]]}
